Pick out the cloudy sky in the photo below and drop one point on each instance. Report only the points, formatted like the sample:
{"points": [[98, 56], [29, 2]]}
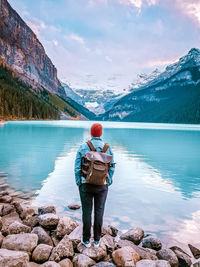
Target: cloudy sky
{"points": [[105, 43]]}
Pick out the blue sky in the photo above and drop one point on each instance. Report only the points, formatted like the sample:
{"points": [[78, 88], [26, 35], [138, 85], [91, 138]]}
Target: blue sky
{"points": [[105, 44]]}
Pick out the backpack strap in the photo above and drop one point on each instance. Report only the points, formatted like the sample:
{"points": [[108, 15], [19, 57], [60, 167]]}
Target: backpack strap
{"points": [[106, 146], [92, 148]]}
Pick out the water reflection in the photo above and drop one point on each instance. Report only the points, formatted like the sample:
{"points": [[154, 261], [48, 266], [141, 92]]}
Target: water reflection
{"points": [[156, 183]]}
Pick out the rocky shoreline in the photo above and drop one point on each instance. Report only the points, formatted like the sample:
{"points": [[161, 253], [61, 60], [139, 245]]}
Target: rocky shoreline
{"points": [[36, 236]]}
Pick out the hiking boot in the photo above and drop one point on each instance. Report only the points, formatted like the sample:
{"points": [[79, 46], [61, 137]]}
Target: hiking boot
{"points": [[87, 243], [96, 244]]}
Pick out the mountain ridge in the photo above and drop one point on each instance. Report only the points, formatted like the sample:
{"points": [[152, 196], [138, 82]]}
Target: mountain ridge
{"points": [[169, 93]]}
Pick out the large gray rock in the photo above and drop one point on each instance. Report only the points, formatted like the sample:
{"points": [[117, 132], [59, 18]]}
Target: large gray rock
{"points": [[65, 226], [10, 258], [1, 223], [162, 263], [46, 209], [1, 209], [196, 264], [25, 210], [50, 264], [31, 221], [107, 243], [195, 251], [150, 263], [43, 237], [104, 264], [135, 235], [114, 230], [54, 238], [93, 253], [106, 230], [8, 219], [81, 260], [41, 253], [75, 235], [168, 255], [151, 241], [183, 258], [48, 220], [5, 198], [62, 250], [22, 242], [125, 256], [1, 238], [8, 208], [17, 228], [66, 263], [144, 253], [33, 264]]}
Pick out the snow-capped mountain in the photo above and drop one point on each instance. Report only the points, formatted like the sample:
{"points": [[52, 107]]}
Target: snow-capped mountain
{"points": [[172, 96], [97, 101]]}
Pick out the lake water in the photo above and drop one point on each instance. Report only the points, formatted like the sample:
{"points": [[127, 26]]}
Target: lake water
{"points": [[156, 184]]}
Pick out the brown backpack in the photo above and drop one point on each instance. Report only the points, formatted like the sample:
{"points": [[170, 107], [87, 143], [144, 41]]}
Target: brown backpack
{"points": [[95, 165]]}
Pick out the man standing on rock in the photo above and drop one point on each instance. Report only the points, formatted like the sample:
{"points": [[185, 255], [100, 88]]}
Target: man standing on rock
{"points": [[94, 169]]}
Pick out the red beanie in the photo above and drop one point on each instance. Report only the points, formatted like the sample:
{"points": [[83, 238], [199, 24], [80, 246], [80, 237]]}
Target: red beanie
{"points": [[96, 130]]}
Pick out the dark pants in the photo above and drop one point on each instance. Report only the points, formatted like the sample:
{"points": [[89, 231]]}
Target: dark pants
{"points": [[88, 192]]}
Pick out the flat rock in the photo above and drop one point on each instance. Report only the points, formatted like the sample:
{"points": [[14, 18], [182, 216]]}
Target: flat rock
{"points": [[168, 255], [62, 250], [144, 253], [10, 258], [41, 253], [22, 242], [135, 235], [48, 220], [46, 209], [125, 256], [93, 253], [50, 264], [74, 206], [65, 226], [195, 251], [152, 242], [17, 228], [183, 258], [66, 263], [43, 237], [151, 263], [81, 260]]}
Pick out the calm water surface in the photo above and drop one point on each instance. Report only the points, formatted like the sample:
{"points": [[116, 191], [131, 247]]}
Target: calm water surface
{"points": [[156, 183]]}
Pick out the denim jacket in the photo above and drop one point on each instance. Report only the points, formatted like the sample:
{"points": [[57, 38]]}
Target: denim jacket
{"points": [[97, 142]]}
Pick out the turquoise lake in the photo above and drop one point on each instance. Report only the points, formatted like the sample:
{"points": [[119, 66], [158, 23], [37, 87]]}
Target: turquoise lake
{"points": [[156, 184]]}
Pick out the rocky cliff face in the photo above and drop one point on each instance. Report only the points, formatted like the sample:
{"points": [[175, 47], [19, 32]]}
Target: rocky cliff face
{"points": [[24, 54]]}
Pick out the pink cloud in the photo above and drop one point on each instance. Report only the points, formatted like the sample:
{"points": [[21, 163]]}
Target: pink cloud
{"points": [[189, 8]]}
